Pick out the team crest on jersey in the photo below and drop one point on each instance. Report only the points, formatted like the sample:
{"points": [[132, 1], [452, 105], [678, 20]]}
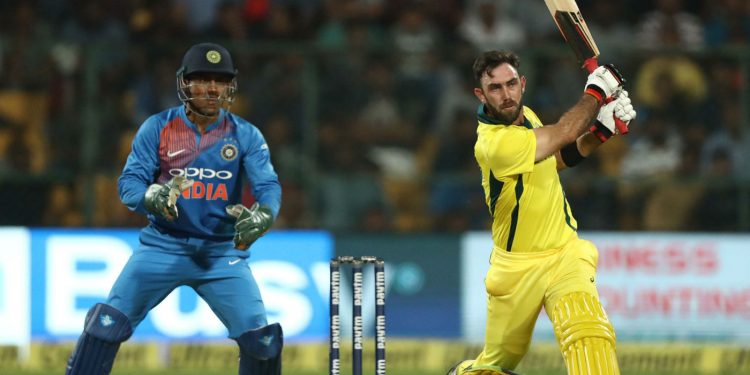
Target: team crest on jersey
{"points": [[213, 56], [229, 152]]}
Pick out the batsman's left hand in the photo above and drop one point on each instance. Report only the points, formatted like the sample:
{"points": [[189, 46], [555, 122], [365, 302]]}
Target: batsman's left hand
{"points": [[252, 223], [621, 108]]}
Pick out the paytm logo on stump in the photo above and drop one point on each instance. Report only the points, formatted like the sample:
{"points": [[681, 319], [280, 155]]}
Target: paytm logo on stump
{"points": [[50, 278]]}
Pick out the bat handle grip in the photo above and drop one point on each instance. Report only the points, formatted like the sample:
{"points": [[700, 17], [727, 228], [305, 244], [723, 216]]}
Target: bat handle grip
{"points": [[621, 126], [591, 64]]}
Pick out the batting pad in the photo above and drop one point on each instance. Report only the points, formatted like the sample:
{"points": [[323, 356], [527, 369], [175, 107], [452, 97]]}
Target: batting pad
{"points": [[585, 335], [105, 328], [260, 350]]}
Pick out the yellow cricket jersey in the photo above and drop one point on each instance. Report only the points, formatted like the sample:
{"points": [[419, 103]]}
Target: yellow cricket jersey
{"points": [[525, 199]]}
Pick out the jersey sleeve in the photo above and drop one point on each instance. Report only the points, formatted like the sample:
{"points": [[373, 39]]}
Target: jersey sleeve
{"points": [[141, 166], [263, 178], [510, 150]]}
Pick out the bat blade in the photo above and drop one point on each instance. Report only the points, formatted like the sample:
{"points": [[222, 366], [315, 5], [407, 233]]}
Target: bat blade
{"points": [[576, 33], [573, 28]]}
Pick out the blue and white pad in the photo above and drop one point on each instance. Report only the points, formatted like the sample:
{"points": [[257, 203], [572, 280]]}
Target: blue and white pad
{"points": [[260, 350], [104, 329]]}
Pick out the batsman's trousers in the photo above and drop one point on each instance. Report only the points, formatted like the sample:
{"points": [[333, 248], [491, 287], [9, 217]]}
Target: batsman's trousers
{"points": [[563, 281]]}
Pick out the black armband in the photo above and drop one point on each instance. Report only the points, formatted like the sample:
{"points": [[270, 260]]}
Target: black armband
{"points": [[570, 155]]}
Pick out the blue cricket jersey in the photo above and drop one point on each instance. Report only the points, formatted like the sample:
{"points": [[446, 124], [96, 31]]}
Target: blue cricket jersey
{"points": [[230, 151]]}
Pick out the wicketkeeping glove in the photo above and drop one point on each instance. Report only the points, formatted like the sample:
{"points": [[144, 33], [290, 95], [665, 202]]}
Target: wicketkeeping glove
{"points": [[161, 200], [618, 109], [251, 223], [603, 83]]}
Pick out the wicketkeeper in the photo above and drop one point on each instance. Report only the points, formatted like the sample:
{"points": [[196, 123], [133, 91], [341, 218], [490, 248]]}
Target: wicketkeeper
{"points": [[186, 172]]}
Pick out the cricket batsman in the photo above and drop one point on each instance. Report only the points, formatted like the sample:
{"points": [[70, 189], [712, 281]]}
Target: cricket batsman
{"points": [[538, 260], [185, 172]]}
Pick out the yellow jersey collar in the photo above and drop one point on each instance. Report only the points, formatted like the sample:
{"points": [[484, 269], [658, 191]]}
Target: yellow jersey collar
{"points": [[483, 117]]}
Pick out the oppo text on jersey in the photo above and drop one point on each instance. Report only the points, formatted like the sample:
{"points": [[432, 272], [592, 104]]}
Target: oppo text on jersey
{"points": [[200, 173]]}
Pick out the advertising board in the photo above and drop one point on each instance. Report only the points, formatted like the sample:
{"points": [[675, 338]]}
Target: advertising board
{"points": [[654, 286], [50, 277]]}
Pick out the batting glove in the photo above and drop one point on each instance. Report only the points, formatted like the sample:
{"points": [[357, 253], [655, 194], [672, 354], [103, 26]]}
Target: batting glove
{"points": [[618, 109], [161, 200], [604, 83], [252, 223]]}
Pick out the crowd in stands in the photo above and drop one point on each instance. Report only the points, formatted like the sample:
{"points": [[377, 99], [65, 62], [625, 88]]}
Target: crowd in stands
{"points": [[368, 109]]}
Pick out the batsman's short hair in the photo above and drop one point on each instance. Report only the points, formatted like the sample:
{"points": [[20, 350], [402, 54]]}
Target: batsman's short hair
{"points": [[491, 59]]}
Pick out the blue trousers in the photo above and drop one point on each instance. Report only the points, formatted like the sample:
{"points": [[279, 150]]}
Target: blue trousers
{"points": [[224, 282]]}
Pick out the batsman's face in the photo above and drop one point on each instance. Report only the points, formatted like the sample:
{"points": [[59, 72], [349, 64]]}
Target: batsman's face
{"points": [[502, 93]]}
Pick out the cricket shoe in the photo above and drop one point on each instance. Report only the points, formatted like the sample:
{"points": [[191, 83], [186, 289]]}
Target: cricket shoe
{"points": [[467, 367]]}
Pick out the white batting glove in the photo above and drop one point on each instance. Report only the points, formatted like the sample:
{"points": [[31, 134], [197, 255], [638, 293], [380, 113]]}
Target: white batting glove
{"points": [[604, 83], [624, 109], [620, 108]]}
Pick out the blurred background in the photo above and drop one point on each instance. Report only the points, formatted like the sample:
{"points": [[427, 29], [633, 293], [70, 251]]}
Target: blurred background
{"points": [[368, 110]]}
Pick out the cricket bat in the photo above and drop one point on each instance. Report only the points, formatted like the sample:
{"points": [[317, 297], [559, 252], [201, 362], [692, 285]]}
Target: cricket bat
{"points": [[573, 28]]}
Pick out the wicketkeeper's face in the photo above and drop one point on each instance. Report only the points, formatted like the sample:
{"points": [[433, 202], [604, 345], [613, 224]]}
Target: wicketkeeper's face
{"points": [[502, 93], [208, 92]]}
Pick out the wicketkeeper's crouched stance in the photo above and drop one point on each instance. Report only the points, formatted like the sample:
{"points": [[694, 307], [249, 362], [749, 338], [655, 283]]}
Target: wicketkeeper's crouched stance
{"points": [[106, 328], [193, 157], [538, 259]]}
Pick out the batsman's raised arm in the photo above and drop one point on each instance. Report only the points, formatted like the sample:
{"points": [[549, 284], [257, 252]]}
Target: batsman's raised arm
{"points": [[602, 83], [551, 138], [604, 127]]}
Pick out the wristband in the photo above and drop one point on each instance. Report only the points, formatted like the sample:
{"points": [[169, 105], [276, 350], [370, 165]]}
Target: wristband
{"points": [[597, 93], [570, 155]]}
